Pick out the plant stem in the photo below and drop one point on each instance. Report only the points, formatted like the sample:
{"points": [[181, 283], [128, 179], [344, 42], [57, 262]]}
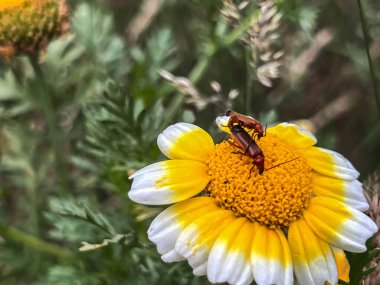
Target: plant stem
{"points": [[249, 82], [370, 64], [202, 64], [194, 76], [204, 61], [54, 133], [33, 242], [235, 34]]}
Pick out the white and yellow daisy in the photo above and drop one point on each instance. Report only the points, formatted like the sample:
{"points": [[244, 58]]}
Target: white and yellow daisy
{"points": [[235, 225]]}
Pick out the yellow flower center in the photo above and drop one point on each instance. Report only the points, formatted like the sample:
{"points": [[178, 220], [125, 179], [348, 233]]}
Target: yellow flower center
{"points": [[274, 199]]}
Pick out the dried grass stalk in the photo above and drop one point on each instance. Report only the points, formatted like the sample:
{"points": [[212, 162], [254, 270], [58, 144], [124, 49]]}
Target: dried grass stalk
{"points": [[260, 38], [372, 192]]}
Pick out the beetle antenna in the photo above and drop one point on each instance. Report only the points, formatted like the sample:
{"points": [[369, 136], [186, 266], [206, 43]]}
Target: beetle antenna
{"points": [[277, 165], [220, 104]]}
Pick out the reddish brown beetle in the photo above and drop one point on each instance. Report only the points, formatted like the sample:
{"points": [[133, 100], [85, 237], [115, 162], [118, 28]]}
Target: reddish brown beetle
{"points": [[246, 143], [246, 122]]}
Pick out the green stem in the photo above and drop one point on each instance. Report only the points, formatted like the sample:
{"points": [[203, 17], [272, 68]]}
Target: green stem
{"points": [[54, 134], [35, 203], [370, 64], [204, 61], [33, 242], [235, 34], [194, 76], [202, 64], [249, 82]]}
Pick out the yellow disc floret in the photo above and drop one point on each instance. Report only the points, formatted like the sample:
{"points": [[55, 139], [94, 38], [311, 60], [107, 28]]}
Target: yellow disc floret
{"points": [[274, 199]]}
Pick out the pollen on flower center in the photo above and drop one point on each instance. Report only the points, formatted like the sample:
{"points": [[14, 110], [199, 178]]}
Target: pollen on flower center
{"points": [[274, 199]]}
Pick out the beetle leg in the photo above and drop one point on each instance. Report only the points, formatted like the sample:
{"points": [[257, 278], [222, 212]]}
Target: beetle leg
{"points": [[250, 171], [233, 144], [238, 152]]}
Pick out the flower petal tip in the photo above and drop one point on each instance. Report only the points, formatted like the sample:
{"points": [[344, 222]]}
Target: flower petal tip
{"points": [[222, 123], [222, 120], [185, 141], [172, 256], [132, 176]]}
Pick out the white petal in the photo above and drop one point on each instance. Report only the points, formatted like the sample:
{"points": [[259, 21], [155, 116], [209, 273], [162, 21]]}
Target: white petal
{"points": [[313, 259], [271, 258], [185, 141], [347, 191], [339, 224], [200, 269], [167, 226], [172, 256], [330, 163], [229, 257], [196, 240], [296, 135], [168, 182], [222, 123], [354, 195]]}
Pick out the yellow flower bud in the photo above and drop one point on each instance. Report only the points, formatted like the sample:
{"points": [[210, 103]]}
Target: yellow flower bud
{"points": [[26, 26]]}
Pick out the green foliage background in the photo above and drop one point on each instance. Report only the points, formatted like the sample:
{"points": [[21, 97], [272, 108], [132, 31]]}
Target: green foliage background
{"points": [[74, 126]]}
